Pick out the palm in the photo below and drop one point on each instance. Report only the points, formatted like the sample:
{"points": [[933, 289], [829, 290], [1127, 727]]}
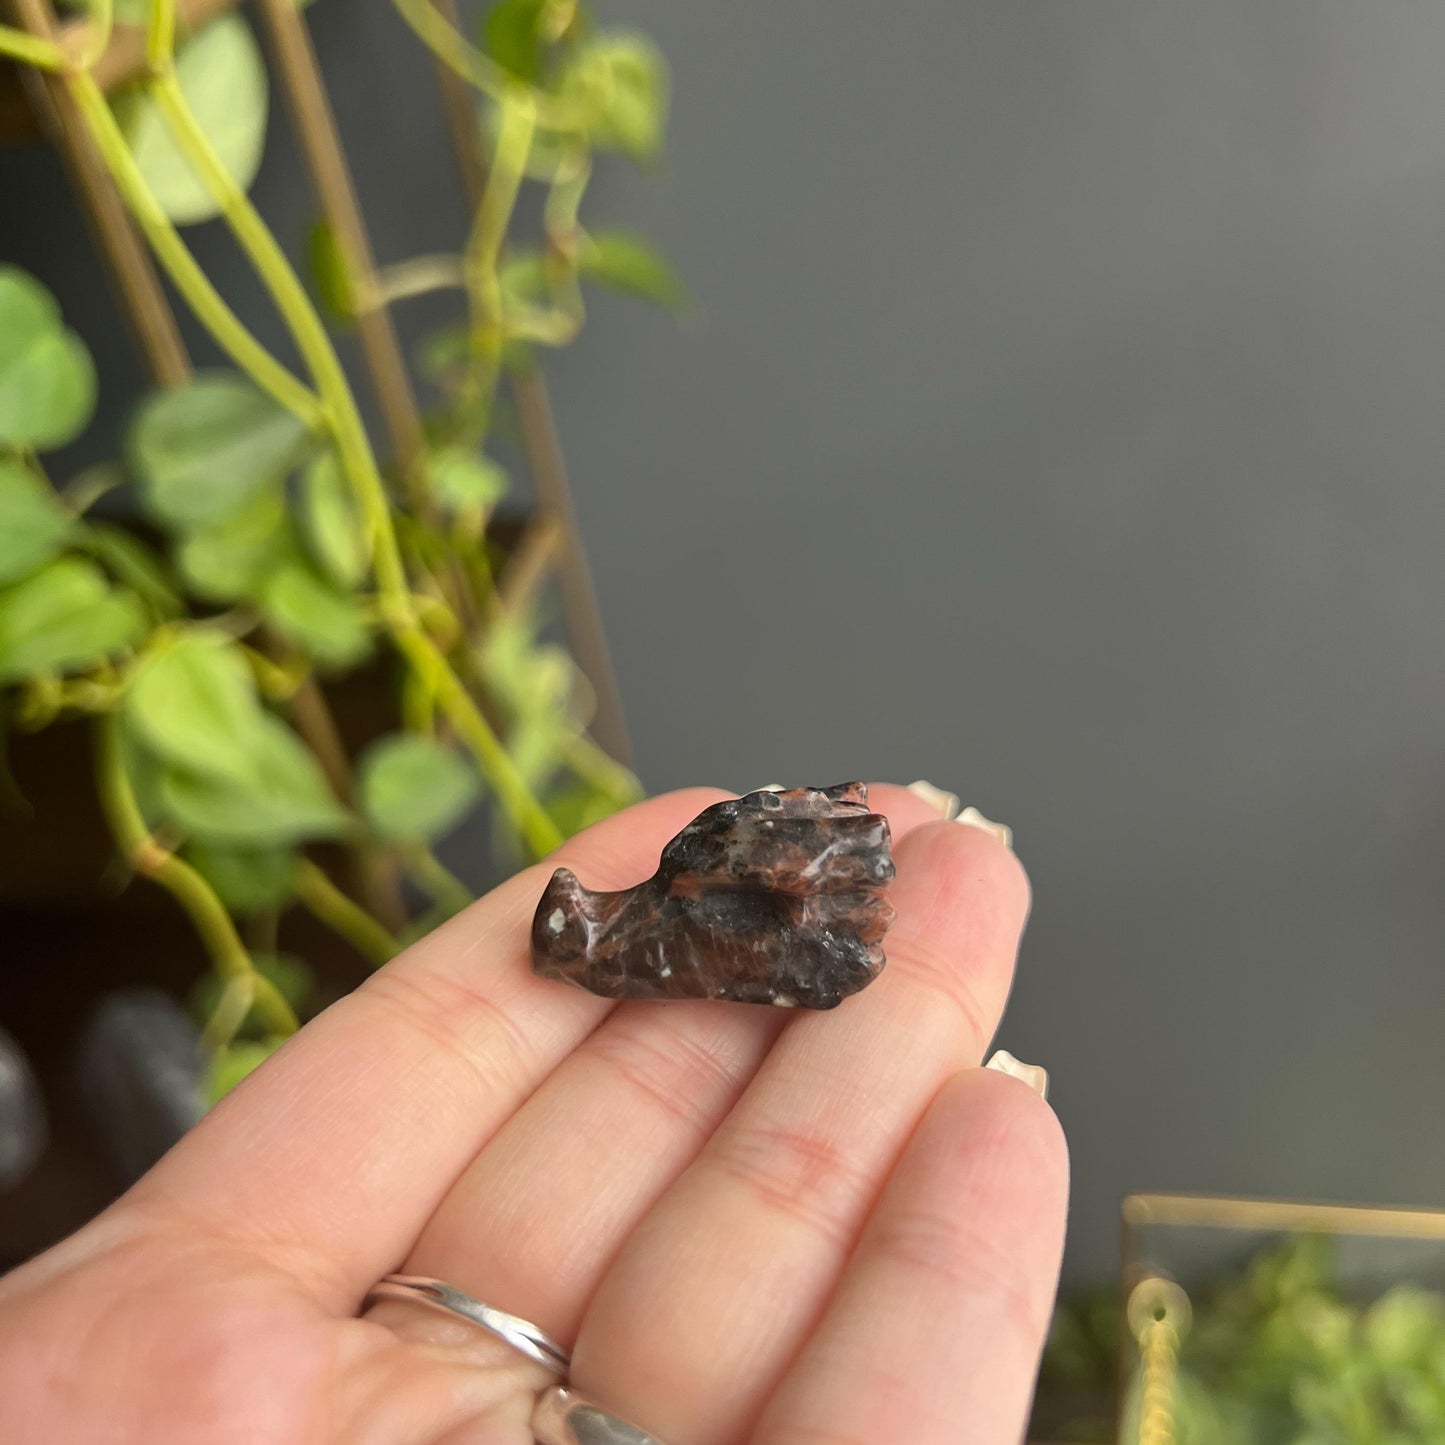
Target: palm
{"points": [[750, 1226]]}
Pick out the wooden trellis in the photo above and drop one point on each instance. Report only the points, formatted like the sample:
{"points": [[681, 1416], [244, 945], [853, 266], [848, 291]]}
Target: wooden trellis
{"points": [[35, 103]]}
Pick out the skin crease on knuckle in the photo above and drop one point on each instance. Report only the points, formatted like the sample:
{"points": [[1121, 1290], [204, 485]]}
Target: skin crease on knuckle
{"points": [[671, 1077], [1009, 1159], [795, 1174]]}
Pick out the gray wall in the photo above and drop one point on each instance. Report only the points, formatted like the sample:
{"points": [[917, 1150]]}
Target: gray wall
{"points": [[1064, 426]]}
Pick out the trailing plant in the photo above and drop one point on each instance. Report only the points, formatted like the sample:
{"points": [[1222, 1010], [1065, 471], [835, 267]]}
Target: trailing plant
{"points": [[274, 552], [1277, 1354]]}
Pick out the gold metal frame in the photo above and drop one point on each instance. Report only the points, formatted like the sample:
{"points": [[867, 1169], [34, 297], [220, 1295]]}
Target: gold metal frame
{"points": [[550, 541], [1210, 1211], [1230, 1212]]}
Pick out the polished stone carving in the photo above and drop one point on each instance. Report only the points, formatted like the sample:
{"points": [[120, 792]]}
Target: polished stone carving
{"points": [[774, 897]]}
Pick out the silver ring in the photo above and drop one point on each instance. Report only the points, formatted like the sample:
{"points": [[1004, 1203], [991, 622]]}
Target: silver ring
{"points": [[519, 1333], [563, 1417]]}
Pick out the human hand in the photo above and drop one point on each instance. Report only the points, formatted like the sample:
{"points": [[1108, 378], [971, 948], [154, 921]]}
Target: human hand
{"points": [[750, 1225]]}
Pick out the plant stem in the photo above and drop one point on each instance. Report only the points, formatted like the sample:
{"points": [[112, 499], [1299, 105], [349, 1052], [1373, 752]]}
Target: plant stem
{"points": [[601, 769], [97, 37], [190, 280], [476, 67], [344, 916], [355, 454], [419, 276], [504, 181], [161, 34], [31, 49], [374, 875], [229, 1014], [276, 681], [418, 705], [526, 813], [484, 246], [564, 201], [438, 880], [313, 718], [189, 889]]}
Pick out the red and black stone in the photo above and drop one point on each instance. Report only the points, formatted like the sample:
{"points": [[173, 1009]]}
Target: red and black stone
{"points": [[774, 898]]}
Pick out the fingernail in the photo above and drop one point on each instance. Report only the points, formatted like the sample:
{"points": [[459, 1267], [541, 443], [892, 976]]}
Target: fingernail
{"points": [[1035, 1077], [972, 818], [945, 803]]}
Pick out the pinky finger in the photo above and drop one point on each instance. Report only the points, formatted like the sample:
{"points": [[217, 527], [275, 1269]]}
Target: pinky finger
{"points": [[934, 1332]]}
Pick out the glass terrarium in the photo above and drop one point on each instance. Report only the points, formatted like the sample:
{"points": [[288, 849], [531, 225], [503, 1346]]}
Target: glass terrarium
{"points": [[1258, 1322]]}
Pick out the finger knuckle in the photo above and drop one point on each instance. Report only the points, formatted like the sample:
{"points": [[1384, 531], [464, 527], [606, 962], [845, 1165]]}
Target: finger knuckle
{"points": [[680, 1077], [800, 1174], [940, 1250], [467, 1023]]}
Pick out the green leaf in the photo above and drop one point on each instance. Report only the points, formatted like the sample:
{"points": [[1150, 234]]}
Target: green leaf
{"points": [[512, 36], [623, 80], [284, 799], [33, 523], [234, 1062], [529, 679], [1405, 1327], [143, 771], [625, 262], [331, 277], [247, 880], [413, 788], [223, 77], [462, 480], [522, 278], [129, 560], [231, 560], [325, 624], [536, 743], [293, 977], [329, 522], [443, 353], [203, 452], [578, 806], [193, 703], [63, 618], [47, 379]]}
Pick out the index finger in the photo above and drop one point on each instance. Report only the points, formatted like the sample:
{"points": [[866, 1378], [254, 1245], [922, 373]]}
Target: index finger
{"points": [[335, 1152]]}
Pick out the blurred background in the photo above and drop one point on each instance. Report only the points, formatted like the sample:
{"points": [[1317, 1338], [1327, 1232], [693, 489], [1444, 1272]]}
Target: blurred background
{"points": [[1060, 420]]}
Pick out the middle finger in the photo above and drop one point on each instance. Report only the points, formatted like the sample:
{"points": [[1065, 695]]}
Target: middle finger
{"points": [[717, 1289]]}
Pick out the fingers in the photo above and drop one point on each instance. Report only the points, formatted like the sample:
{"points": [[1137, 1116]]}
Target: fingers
{"points": [[933, 1335], [568, 1177], [719, 1286], [335, 1153]]}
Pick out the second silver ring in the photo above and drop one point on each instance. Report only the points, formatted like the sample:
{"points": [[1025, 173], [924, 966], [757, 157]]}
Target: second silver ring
{"points": [[564, 1417], [521, 1334]]}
